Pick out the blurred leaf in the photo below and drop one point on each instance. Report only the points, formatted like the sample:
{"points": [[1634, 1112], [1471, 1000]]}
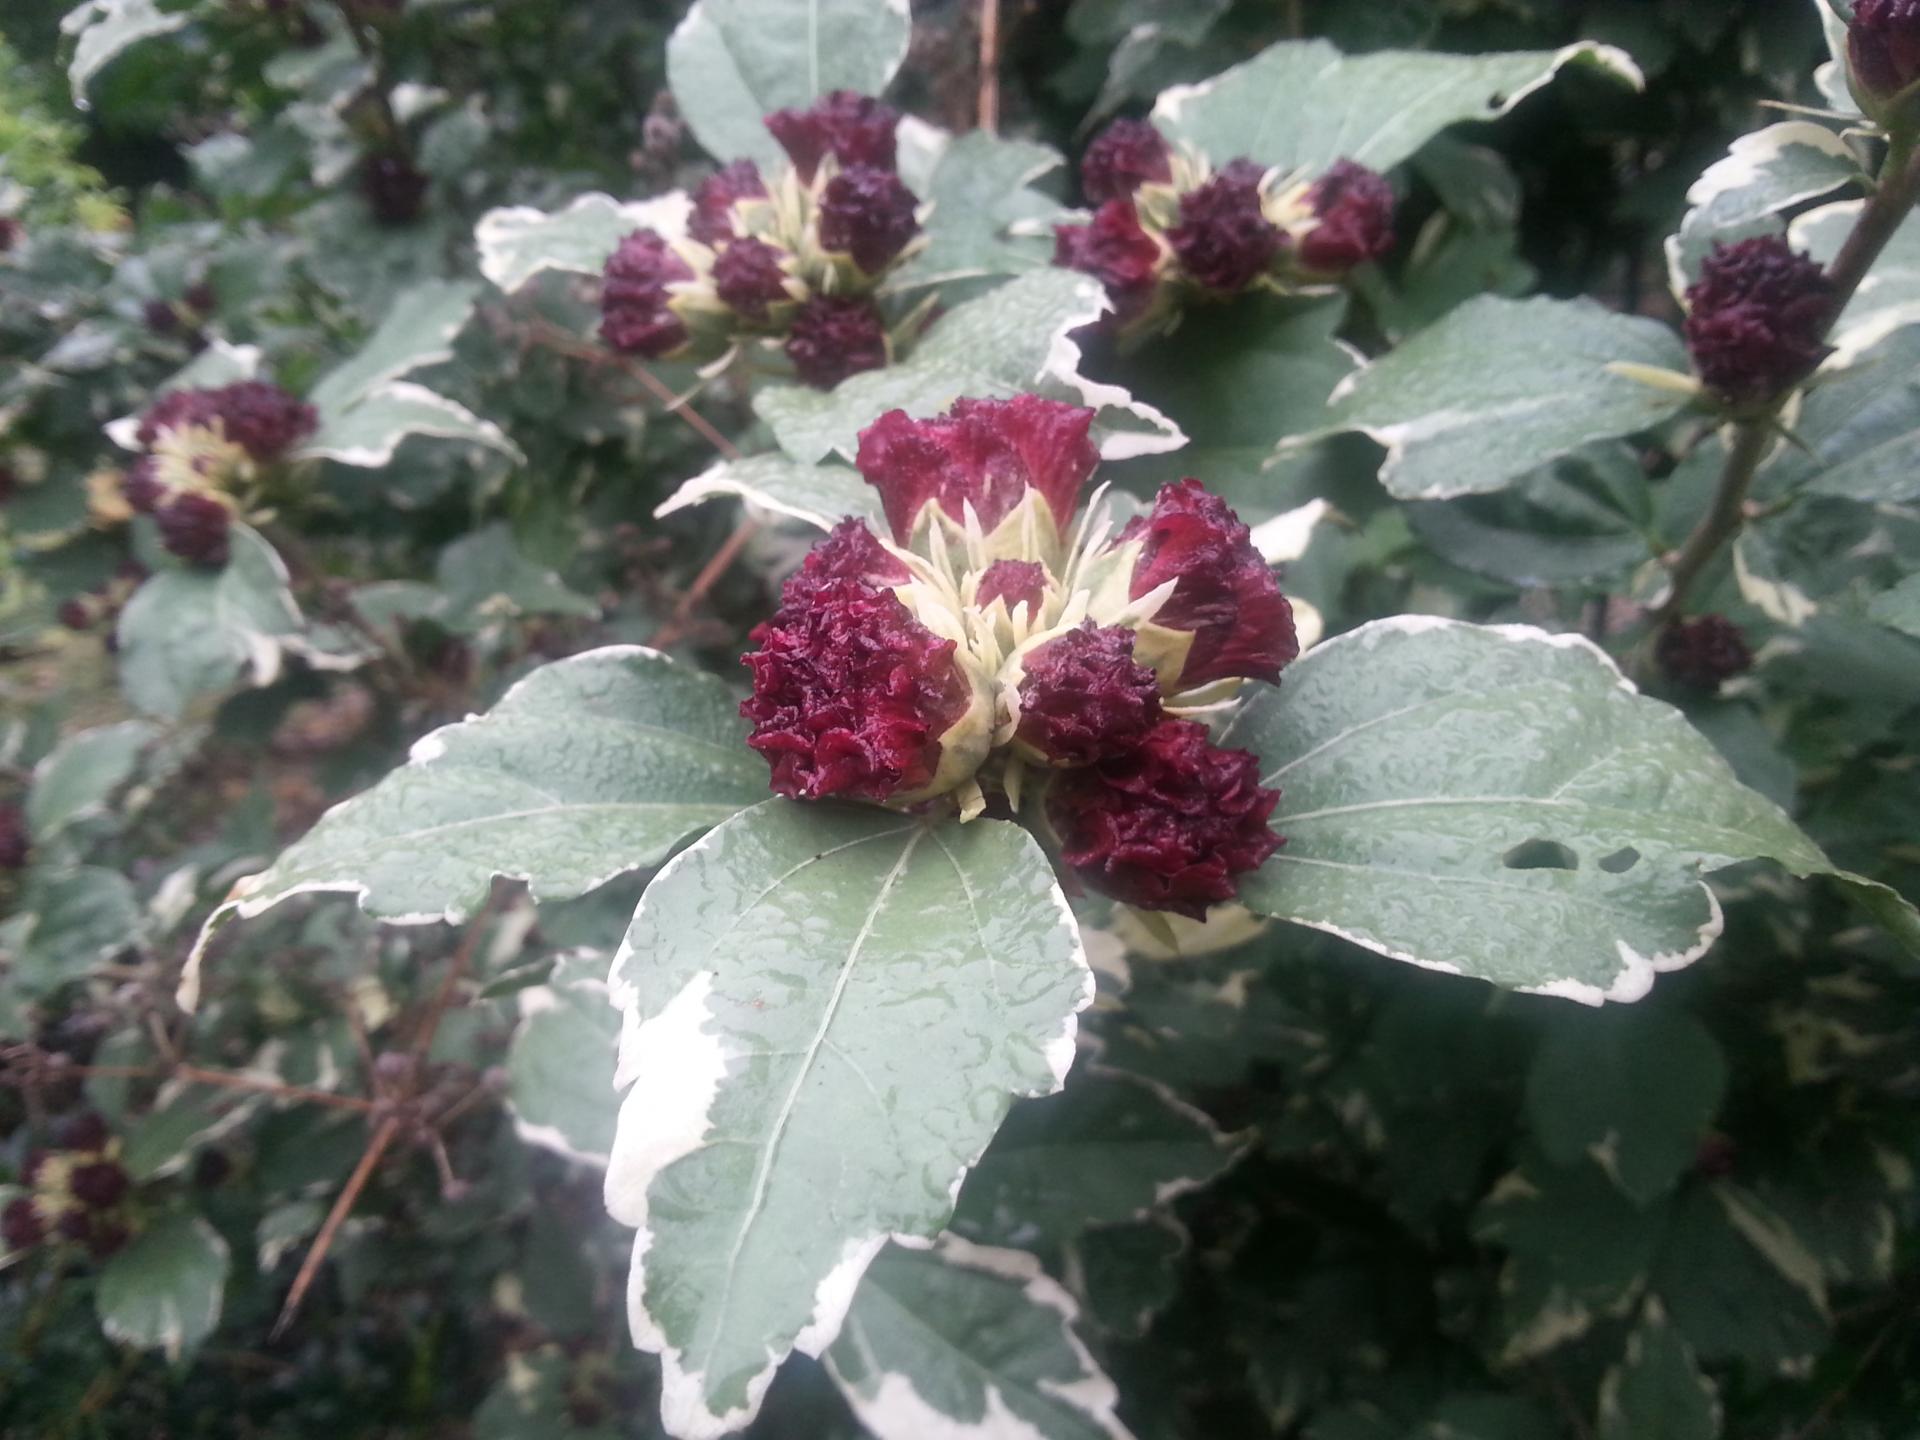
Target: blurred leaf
{"points": [[560, 1064], [163, 1292]]}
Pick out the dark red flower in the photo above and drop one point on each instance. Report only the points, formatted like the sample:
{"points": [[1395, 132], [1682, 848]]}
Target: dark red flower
{"points": [[713, 200], [15, 843], [1355, 209], [1757, 318], [1085, 698], [987, 453], [263, 419], [1014, 581], [21, 1227], [140, 487], [202, 298], [100, 1184], [634, 314], [160, 317], [175, 409], [1225, 593], [835, 336], [1223, 239], [855, 129], [748, 278], [393, 186], [1116, 250], [196, 528], [868, 213], [850, 551], [1703, 651], [851, 695], [1122, 158], [1167, 826], [1884, 45], [85, 1131]]}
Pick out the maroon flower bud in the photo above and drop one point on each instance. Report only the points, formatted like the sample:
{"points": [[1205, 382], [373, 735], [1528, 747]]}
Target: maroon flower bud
{"points": [[74, 614], [12, 232], [1015, 581], [15, 843], [634, 317], [1355, 209], [835, 336], [140, 487], [195, 527], [100, 1185], [105, 1237], [202, 298], [75, 1225], [1224, 592], [850, 551], [987, 453], [394, 187], [855, 129], [1122, 158], [1167, 826], [1223, 239], [160, 317], [1757, 318], [1702, 652], [85, 1131], [1083, 697], [21, 1227], [263, 419], [748, 278], [713, 200], [175, 409], [851, 696], [867, 213], [1883, 46], [1117, 251]]}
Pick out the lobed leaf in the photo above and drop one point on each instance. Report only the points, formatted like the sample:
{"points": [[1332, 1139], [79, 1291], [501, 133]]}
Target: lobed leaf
{"points": [[1763, 175], [164, 1291]]}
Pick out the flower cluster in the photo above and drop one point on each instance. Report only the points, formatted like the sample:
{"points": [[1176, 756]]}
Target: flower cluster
{"points": [[1883, 49], [1757, 319], [201, 449], [1168, 228], [76, 1192], [999, 642], [792, 259]]}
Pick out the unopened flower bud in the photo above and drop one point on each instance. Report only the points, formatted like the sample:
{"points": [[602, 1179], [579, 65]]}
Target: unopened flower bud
{"points": [[1082, 697], [100, 1184], [86, 1131], [1883, 50], [258, 416], [1354, 207], [1224, 240], [750, 278], [855, 129], [712, 220], [1122, 158], [1757, 319], [867, 213], [1018, 582], [636, 318], [1702, 652], [834, 336], [160, 317], [1117, 251], [196, 528], [141, 487], [21, 1227], [394, 188]]}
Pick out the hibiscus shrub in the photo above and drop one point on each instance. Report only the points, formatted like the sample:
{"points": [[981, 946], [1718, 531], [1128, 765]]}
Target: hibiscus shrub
{"points": [[835, 718]]}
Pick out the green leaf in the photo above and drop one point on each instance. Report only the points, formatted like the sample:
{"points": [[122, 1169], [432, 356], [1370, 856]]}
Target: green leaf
{"points": [[1739, 1283], [80, 776], [731, 62], [1500, 387], [1899, 607], [817, 494], [1012, 341], [1764, 174], [980, 189], [418, 331], [589, 767], [76, 918], [105, 28], [967, 1340], [485, 576], [1109, 1147], [829, 1010], [163, 1291], [1301, 104], [1633, 1089], [1858, 426], [184, 1117], [560, 1064], [1889, 296], [520, 242], [188, 633], [1428, 766], [369, 431], [1657, 1392], [1127, 1274]]}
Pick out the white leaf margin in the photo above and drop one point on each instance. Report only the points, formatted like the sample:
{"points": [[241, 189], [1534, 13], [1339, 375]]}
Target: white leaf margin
{"points": [[131, 21], [442, 418], [503, 233], [219, 364], [1062, 364]]}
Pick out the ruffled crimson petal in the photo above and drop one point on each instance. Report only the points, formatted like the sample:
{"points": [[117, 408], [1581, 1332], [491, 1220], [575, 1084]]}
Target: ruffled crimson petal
{"points": [[867, 213], [850, 551], [748, 277], [1085, 698], [1757, 318], [835, 336], [14, 842], [1703, 652], [851, 695], [1355, 209], [1883, 44], [1122, 158], [1116, 250], [1224, 593], [987, 453], [196, 528], [634, 314], [714, 198], [1015, 581], [855, 129], [1223, 240], [1169, 825]]}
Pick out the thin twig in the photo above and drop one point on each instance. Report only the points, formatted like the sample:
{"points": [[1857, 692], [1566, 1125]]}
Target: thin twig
{"points": [[457, 969], [989, 113], [709, 575], [383, 1137], [559, 341], [1296, 20], [224, 1079]]}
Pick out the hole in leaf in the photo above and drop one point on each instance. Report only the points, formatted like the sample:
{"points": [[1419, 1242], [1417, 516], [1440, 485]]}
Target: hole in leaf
{"points": [[1540, 855], [1620, 861]]}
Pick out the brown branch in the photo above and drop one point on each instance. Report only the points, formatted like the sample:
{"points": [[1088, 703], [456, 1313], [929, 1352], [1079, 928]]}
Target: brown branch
{"points": [[457, 969], [377, 1147], [710, 573], [224, 1079], [989, 113], [562, 343]]}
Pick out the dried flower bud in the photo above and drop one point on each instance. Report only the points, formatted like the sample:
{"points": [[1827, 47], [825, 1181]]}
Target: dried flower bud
{"points": [[101, 1184], [1083, 697], [1224, 240], [852, 696], [835, 336], [634, 314], [1018, 582], [749, 278], [1224, 597], [867, 213], [21, 1227], [1354, 206], [714, 198], [394, 187], [985, 453], [1117, 251], [15, 843], [196, 528], [1702, 652], [1122, 158], [855, 129], [1757, 318], [1883, 47], [1170, 825]]}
